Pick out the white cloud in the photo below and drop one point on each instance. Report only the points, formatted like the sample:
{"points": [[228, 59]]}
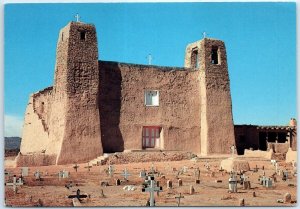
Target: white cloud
{"points": [[13, 125]]}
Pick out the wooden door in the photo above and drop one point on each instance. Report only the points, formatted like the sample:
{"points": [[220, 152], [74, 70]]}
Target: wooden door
{"points": [[151, 136]]}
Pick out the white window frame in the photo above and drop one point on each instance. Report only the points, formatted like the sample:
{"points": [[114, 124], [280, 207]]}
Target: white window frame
{"points": [[145, 96]]}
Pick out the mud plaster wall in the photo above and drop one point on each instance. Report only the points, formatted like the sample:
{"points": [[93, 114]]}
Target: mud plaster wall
{"points": [[123, 112], [216, 107], [81, 140]]}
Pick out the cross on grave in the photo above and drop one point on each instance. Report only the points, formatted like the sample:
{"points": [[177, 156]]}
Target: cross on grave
{"points": [[143, 174], [15, 183], [255, 169], [151, 189], [207, 165], [197, 173], [88, 167], [77, 17], [184, 169], [178, 199], [37, 175], [78, 195], [63, 174], [76, 167], [276, 167], [152, 170], [125, 174], [232, 183], [111, 170]]}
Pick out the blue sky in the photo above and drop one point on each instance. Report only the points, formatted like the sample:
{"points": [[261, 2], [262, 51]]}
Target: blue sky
{"points": [[260, 40]]}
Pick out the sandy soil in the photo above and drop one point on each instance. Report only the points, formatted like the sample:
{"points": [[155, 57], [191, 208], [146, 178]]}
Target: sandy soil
{"points": [[52, 192]]}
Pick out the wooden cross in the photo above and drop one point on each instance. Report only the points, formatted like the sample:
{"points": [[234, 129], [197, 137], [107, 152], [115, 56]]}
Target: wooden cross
{"points": [[76, 167], [15, 183], [178, 199], [151, 189], [126, 174], [78, 195], [88, 167], [77, 17]]}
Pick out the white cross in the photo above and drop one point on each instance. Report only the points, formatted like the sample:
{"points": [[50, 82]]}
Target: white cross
{"points": [[37, 175], [15, 183], [204, 34], [178, 199], [149, 57], [111, 170], [126, 174], [197, 173], [153, 188], [77, 17], [232, 150]]}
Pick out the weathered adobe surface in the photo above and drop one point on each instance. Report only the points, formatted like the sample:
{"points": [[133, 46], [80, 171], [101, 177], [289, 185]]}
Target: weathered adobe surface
{"points": [[124, 158], [123, 112]]}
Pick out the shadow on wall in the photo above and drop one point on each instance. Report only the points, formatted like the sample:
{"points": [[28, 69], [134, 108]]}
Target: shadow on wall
{"points": [[109, 101]]}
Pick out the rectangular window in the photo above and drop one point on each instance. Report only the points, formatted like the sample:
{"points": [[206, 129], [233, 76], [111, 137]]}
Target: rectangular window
{"points": [[214, 55], [152, 98]]}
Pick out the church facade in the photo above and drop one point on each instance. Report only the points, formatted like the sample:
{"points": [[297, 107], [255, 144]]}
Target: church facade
{"points": [[97, 107]]}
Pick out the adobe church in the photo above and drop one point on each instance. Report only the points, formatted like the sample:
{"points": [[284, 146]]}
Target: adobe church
{"points": [[97, 107]]}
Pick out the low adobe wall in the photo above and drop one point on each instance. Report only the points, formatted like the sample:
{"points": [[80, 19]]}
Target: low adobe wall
{"points": [[259, 153], [35, 160], [291, 156]]}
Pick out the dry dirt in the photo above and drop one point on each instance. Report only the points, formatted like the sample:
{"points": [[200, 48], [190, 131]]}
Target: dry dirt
{"points": [[52, 192]]}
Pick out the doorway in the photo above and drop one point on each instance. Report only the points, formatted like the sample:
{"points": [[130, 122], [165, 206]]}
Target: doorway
{"points": [[151, 137]]}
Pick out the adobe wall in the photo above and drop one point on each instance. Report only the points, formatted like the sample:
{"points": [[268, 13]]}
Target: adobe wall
{"points": [[123, 112], [79, 79], [217, 131]]}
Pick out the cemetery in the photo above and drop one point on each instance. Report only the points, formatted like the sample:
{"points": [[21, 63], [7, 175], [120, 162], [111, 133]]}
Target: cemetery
{"points": [[198, 181]]}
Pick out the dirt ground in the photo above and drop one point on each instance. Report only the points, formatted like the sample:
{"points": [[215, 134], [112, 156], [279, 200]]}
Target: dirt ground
{"points": [[52, 192]]}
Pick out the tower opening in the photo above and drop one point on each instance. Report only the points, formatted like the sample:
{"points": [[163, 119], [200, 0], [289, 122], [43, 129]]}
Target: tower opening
{"points": [[82, 35], [214, 55], [194, 58]]}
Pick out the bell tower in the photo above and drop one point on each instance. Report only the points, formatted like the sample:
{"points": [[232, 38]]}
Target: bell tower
{"points": [[217, 129], [76, 82]]}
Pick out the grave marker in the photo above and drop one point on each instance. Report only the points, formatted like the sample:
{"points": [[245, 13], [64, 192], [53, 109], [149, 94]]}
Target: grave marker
{"points": [[37, 175], [111, 170], [151, 189], [126, 174], [178, 199], [88, 166], [15, 183], [232, 184], [78, 195], [76, 167]]}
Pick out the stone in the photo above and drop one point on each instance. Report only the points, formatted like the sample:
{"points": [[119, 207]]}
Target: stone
{"points": [[179, 182], [118, 182], [169, 184], [192, 190], [241, 202], [212, 174], [287, 198]]}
